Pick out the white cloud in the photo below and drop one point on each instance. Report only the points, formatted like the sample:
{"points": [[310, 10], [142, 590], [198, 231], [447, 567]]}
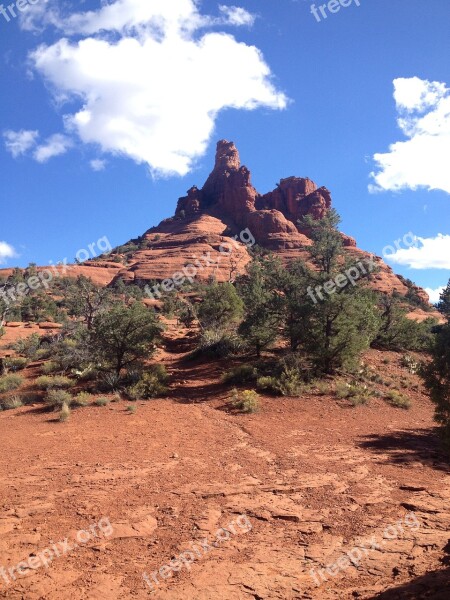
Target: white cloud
{"points": [[435, 294], [97, 164], [55, 145], [150, 80], [19, 142], [422, 161], [429, 253], [235, 15], [6, 252]]}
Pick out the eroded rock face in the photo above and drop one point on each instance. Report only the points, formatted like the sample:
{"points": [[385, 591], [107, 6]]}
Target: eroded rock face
{"points": [[226, 205], [228, 194]]}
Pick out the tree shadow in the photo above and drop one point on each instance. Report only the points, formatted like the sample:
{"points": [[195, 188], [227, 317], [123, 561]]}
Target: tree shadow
{"points": [[405, 447], [432, 586]]}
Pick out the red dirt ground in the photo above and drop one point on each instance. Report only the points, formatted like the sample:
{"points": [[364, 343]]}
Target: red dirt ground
{"points": [[316, 478]]}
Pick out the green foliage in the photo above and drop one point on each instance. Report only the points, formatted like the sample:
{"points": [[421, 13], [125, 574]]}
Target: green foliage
{"points": [[50, 367], [259, 290], [355, 392], [85, 299], [444, 302], [397, 332], [10, 382], [28, 346], [58, 398], [132, 409], [215, 343], [395, 398], [409, 362], [152, 384], [82, 399], [11, 402], [123, 336], [15, 363], [48, 382], [221, 307], [436, 377], [102, 402], [240, 374], [246, 401]]}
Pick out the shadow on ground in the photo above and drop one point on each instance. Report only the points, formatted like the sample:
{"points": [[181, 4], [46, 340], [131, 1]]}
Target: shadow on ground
{"points": [[432, 586], [405, 447]]}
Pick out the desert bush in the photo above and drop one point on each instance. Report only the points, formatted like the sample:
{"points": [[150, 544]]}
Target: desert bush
{"points": [[15, 363], [64, 415], [82, 399], [246, 401], [215, 343], [410, 363], [395, 398], [151, 385], [132, 408], [110, 381], [28, 346], [322, 387], [50, 367], [11, 402], [58, 398], [101, 401], [355, 392], [268, 384], [10, 382], [48, 382], [240, 374]]}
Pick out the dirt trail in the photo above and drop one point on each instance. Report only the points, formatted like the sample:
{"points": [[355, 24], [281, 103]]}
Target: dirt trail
{"points": [[315, 479]]}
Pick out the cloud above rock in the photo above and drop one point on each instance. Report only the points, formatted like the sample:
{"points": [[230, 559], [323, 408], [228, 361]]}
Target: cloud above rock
{"points": [[148, 79]]}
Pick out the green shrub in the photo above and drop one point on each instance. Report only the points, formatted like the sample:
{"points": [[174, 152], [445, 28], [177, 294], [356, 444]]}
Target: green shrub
{"points": [[50, 367], [58, 398], [102, 402], [132, 408], [151, 385], [240, 374], [28, 346], [395, 398], [268, 384], [15, 364], [217, 344], [110, 381], [47, 382], [246, 401], [11, 382], [64, 415], [11, 402], [82, 399], [322, 388], [355, 392], [409, 362]]}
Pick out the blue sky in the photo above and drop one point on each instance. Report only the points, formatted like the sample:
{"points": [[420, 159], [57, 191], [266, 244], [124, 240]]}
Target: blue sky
{"points": [[100, 138]]}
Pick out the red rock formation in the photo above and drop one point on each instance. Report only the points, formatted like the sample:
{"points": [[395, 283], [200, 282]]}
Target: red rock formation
{"points": [[210, 217]]}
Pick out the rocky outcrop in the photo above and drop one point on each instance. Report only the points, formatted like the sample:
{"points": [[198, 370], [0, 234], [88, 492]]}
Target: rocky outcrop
{"points": [[209, 220]]}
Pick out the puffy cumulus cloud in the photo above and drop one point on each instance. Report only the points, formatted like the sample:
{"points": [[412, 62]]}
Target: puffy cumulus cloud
{"points": [[435, 294], [150, 78], [20, 142], [422, 161], [428, 253], [55, 145], [6, 252]]}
